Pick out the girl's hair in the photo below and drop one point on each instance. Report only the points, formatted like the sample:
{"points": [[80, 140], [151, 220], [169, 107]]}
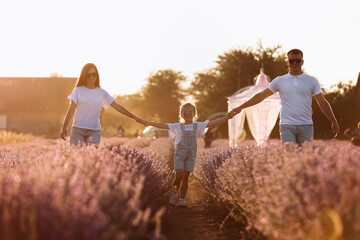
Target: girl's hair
{"points": [[358, 124], [187, 105], [83, 75]]}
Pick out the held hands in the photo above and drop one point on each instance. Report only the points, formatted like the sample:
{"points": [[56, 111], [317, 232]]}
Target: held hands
{"points": [[141, 121], [233, 112]]}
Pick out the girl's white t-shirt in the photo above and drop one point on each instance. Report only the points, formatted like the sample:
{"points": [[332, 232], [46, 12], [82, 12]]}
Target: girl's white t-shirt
{"points": [[88, 106], [175, 130]]}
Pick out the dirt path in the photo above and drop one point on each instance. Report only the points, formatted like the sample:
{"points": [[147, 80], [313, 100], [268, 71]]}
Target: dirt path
{"points": [[201, 219]]}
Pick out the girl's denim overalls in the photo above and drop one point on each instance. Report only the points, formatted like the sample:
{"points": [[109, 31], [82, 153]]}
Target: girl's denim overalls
{"points": [[185, 152]]}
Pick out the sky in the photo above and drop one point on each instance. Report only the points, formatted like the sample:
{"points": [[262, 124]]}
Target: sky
{"points": [[129, 40]]}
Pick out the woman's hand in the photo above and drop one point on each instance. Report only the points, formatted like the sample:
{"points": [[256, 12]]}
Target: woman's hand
{"points": [[63, 134]]}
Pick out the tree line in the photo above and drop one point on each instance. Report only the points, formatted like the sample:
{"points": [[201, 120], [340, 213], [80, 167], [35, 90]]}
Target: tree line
{"points": [[159, 99]]}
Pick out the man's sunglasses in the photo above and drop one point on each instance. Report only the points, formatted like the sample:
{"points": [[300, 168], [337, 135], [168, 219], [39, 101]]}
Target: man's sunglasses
{"points": [[297, 60]]}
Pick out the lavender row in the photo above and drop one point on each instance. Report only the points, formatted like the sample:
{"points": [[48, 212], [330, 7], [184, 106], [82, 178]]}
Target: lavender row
{"points": [[55, 192], [311, 192]]}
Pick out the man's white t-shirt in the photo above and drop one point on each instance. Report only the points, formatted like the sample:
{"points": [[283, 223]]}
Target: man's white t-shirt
{"points": [[296, 94], [88, 106], [175, 129]]}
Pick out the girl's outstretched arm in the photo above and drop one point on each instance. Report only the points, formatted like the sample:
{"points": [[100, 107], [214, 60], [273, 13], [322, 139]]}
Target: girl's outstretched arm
{"points": [[218, 121], [158, 125], [126, 112]]}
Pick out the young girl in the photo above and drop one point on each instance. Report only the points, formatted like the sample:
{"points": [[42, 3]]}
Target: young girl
{"points": [[186, 133], [87, 99]]}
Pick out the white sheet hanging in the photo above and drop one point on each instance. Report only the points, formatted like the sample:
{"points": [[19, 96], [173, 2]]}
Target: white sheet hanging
{"points": [[261, 117]]}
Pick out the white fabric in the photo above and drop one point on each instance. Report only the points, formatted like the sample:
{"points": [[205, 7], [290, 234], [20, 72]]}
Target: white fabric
{"points": [[175, 130], [88, 106], [261, 117], [296, 95]]}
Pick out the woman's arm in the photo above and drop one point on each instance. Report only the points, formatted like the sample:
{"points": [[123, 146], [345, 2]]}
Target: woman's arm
{"points": [[158, 125], [68, 117], [218, 121], [127, 113]]}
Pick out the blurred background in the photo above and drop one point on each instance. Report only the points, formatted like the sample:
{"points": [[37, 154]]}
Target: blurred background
{"points": [[154, 55]]}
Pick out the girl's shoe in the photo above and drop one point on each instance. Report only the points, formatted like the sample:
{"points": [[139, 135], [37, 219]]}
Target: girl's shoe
{"points": [[182, 202], [172, 200]]}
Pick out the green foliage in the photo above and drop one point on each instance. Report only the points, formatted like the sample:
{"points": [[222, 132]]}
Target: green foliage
{"points": [[345, 104], [162, 95], [111, 119]]}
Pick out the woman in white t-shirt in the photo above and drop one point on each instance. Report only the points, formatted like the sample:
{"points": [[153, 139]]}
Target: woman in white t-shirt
{"points": [[186, 133], [87, 99]]}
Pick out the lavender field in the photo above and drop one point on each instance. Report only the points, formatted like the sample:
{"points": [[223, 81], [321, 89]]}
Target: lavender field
{"points": [[120, 189], [50, 191], [288, 192]]}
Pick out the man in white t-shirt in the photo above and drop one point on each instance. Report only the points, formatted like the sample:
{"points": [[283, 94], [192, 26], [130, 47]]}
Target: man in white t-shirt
{"points": [[296, 90]]}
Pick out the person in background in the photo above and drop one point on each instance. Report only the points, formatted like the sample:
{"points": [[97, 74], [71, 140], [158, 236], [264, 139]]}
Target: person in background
{"points": [[210, 136], [186, 134], [296, 90], [86, 102], [355, 136], [120, 131]]}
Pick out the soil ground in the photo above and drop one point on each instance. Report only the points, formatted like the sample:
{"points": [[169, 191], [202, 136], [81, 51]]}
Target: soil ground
{"points": [[203, 218]]}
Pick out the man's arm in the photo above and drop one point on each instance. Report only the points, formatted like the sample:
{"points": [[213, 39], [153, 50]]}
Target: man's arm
{"points": [[257, 98], [326, 109]]}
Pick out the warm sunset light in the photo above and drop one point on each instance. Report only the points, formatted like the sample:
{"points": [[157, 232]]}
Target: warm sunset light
{"points": [[128, 40], [179, 119]]}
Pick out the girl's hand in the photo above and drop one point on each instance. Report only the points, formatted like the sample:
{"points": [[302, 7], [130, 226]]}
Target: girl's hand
{"points": [[63, 134]]}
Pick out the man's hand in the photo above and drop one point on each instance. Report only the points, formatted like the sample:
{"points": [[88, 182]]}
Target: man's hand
{"points": [[335, 129]]}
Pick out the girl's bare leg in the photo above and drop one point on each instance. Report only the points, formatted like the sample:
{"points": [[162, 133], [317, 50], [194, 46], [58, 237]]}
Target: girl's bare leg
{"points": [[177, 180], [184, 183]]}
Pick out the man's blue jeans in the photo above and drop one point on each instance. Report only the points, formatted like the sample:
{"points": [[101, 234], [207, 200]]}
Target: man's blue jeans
{"points": [[296, 133]]}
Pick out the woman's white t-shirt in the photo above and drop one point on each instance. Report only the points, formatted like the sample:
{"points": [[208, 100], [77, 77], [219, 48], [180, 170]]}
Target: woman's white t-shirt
{"points": [[88, 106], [175, 130]]}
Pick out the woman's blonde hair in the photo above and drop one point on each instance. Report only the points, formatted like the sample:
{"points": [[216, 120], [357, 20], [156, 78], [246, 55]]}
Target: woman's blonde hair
{"points": [[187, 105]]}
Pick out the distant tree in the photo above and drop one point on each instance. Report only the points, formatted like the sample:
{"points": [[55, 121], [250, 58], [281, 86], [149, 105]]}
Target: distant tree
{"points": [[111, 119], [272, 59], [204, 89], [163, 94], [55, 75]]}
